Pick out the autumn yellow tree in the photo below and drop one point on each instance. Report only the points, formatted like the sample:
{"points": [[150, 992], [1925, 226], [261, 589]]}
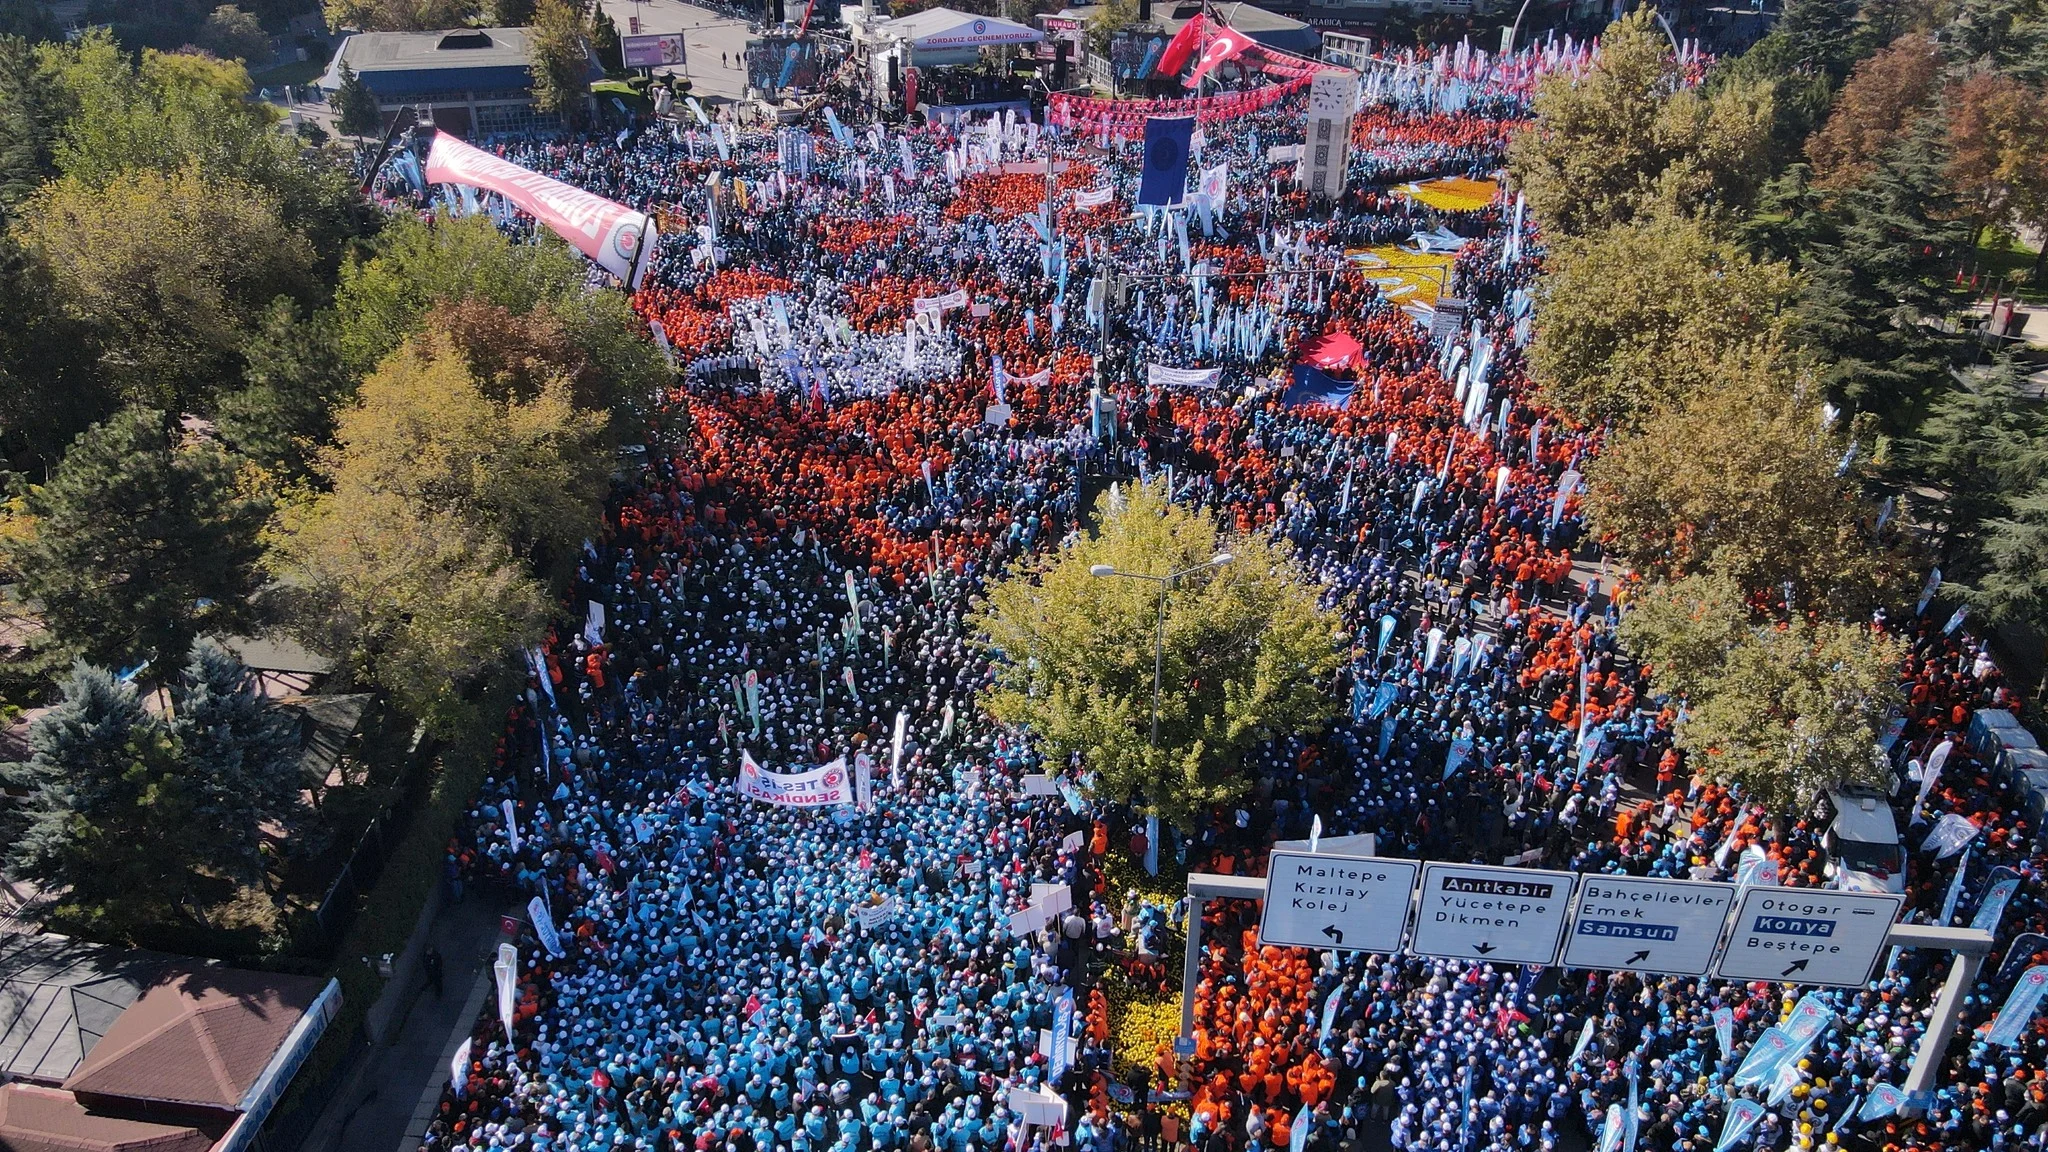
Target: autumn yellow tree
{"points": [[1246, 655], [1788, 706], [1611, 344], [1628, 135], [418, 562], [1743, 478]]}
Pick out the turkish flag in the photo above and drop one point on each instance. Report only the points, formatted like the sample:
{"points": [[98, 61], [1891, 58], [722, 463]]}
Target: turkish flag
{"points": [[1182, 46], [1224, 43]]}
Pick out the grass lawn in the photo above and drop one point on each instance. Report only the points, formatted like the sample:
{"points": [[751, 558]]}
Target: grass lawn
{"points": [[297, 72], [2003, 258]]}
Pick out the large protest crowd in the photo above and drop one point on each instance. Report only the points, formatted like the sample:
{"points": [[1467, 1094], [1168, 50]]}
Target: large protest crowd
{"points": [[795, 571]]}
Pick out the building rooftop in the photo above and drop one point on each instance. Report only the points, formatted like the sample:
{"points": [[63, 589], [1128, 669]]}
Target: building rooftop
{"points": [[200, 1037], [59, 997], [456, 48], [35, 1119]]}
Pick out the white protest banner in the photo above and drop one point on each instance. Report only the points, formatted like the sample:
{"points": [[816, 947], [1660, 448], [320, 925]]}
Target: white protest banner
{"points": [[957, 298], [511, 823], [896, 750], [872, 916], [864, 780], [544, 926], [1724, 1029], [613, 236], [1160, 376], [1950, 833], [818, 788], [1093, 197]]}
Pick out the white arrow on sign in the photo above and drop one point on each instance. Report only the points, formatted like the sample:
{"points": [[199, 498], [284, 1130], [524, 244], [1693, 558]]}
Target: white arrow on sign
{"points": [[1636, 924], [1503, 915], [1352, 903], [1808, 935]]}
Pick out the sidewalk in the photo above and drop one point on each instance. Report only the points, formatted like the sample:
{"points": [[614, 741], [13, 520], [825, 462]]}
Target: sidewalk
{"points": [[386, 1101]]}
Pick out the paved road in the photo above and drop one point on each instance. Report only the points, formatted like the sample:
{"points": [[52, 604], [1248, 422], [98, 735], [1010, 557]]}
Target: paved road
{"points": [[386, 1101], [710, 33]]}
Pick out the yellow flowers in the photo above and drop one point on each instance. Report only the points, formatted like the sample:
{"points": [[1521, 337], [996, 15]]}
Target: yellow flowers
{"points": [[1403, 277], [1138, 1023], [1453, 194]]}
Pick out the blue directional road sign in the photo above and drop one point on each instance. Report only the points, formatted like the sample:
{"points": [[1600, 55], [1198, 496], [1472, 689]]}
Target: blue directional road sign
{"points": [[1636, 924], [1808, 935]]}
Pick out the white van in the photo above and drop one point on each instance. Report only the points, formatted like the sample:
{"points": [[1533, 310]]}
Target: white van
{"points": [[1862, 841]]}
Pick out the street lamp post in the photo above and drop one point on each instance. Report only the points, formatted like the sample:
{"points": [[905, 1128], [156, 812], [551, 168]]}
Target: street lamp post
{"points": [[1165, 583]]}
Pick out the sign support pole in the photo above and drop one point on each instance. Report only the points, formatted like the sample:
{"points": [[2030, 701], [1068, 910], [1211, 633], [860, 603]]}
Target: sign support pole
{"points": [[1202, 886], [1970, 946]]}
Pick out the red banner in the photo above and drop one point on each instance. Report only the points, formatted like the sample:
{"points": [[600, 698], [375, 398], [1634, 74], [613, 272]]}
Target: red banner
{"points": [[618, 239]]}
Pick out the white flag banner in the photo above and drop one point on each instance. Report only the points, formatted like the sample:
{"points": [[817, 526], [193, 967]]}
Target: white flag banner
{"points": [[1950, 834], [506, 972], [458, 1070], [1087, 198], [544, 926], [818, 788], [511, 823], [1160, 376]]}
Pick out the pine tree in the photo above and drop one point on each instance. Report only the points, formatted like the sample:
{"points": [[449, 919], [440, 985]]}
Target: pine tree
{"points": [[1979, 449], [139, 542], [355, 106], [31, 114], [1820, 34], [239, 756], [296, 380], [1878, 281], [102, 789]]}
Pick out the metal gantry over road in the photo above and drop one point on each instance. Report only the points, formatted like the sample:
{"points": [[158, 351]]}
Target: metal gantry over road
{"points": [[1530, 916]]}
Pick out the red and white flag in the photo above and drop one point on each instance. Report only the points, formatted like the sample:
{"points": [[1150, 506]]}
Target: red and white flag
{"points": [[1224, 43], [1182, 46]]}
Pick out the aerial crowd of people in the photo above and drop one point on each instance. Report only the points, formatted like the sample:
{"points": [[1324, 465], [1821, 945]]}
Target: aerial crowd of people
{"points": [[847, 459]]}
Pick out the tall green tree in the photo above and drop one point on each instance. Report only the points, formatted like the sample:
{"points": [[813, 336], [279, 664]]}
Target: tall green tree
{"points": [[32, 110], [234, 34], [355, 106], [102, 792], [1247, 656], [1879, 278], [50, 385], [238, 757], [1788, 708], [169, 271], [1982, 447], [139, 542], [295, 379], [1612, 347], [558, 56]]}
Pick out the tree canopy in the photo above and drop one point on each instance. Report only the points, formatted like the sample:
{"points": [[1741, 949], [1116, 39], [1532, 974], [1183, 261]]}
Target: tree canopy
{"points": [[1611, 346], [1248, 655], [141, 538], [415, 565], [1608, 146], [1786, 707], [1743, 479]]}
